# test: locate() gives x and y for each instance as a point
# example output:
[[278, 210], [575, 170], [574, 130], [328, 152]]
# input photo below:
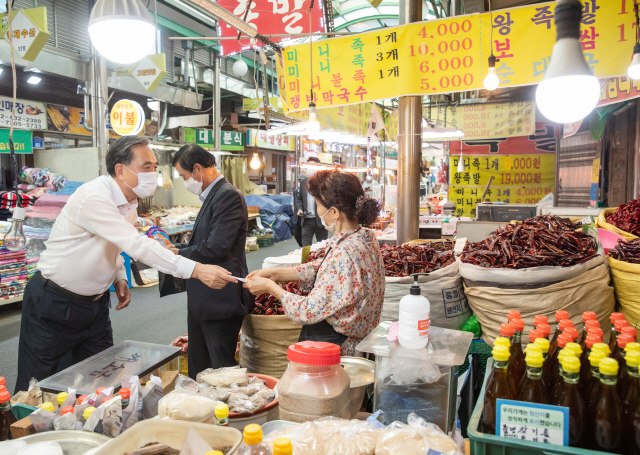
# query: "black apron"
[[323, 331]]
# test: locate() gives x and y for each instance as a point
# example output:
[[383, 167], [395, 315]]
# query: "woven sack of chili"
[[626, 283], [264, 342], [443, 288], [586, 291], [602, 222]]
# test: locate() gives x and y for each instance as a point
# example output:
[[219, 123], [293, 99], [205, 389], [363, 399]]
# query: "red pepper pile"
[[317, 254], [400, 261], [626, 217], [627, 251], [543, 240], [267, 304]]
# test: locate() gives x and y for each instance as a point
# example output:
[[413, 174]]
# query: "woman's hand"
[[266, 273], [258, 285]]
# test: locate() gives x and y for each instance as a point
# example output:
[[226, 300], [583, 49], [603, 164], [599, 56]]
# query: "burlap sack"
[[590, 291], [264, 343], [601, 222], [443, 288], [626, 282]]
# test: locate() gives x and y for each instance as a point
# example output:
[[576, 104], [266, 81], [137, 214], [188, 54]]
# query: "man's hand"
[[213, 276], [173, 249], [266, 273], [300, 213], [123, 293]]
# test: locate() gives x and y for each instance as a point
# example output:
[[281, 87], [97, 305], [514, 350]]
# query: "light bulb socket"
[[19, 213], [492, 61], [568, 14], [636, 49]]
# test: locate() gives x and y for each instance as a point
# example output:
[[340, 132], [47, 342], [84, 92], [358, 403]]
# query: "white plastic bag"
[[112, 417], [151, 395], [405, 371], [96, 400], [347, 437], [42, 420], [418, 437], [41, 448], [131, 414], [182, 404], [224, 377], [95, 421], [65, 422], [11, 447], [194, 444], [304, 438]]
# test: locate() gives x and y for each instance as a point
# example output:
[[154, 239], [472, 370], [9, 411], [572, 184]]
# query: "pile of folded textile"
[[42, 177]]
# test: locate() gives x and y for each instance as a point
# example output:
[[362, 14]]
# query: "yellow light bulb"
[[255, 162], [491, 82]]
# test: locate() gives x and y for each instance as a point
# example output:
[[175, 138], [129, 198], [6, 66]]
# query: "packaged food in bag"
[[42, 420], [112, 417], [151, 395]]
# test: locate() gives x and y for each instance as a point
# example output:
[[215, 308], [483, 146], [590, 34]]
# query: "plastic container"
[[252, 442], [414, 318], [171, 433], [314, 384], [488, 444]]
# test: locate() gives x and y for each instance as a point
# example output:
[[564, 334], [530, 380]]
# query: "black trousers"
[[212, 344], [311, 227], [54, 326]]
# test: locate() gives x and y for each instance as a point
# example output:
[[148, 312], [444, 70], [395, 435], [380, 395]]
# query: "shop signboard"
[[449, 55], [570, 129], [37, 143], [150, 71], [29, 115], [353, 119], [22, 141], [486, 121], [204, 137], [269, 17], [30, 31], [618, 89], [231, 140], [252, 104], [523, 169], [261, 139], [66, 119], [127, 118]]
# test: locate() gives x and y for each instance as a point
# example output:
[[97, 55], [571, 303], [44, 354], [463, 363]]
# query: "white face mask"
[[193, 186], [328, 228], [147, 183]]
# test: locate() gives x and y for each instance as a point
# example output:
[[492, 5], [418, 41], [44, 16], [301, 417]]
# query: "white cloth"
[[83, 250]]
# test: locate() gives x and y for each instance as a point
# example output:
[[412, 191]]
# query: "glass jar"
[[314, 384]]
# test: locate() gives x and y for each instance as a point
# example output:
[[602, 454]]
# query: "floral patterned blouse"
[[348, 290]]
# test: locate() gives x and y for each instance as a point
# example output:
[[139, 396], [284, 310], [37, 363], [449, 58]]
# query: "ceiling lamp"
[[122, 30], [313, 126], [255, 162], [491, 82], [433, 131], [634, 68], [240, 68], [568, 92]]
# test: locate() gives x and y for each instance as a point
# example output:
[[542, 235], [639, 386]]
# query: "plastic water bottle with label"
[[414, 321]]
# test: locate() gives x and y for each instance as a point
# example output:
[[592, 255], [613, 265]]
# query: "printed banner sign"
[[22, 141], [532, 422], [252, 104], [506, 170], [66, 119], [485, 121], [275, 141], [618, 89], [269, 17], [30, 115], [450, 55]]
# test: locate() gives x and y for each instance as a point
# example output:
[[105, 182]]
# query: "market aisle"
[[148, 318]]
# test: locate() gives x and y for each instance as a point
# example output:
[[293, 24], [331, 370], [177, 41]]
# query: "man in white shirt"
[[66, 304]]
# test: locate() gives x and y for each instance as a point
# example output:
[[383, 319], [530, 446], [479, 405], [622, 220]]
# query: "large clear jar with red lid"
[[314, 384]]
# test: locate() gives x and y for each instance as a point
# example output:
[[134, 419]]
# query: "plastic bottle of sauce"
[[540, 319], [593, 394], [609, 411], [87, 413], [547, 373], [125, 395], [282, 446], [81, 398], [414, 318], [66, 410], [630, 331], [60, 398], [558, 385], [504, 341], [222, 414], [573, 332], [630, 401], [571, 399], [535, 391], [524, 383], [560, 316], [546, 330], [513, 315], [562, 341], [252, 441], [498, 386], [587, 316], [585, 365], [619, 354], [612, 340], [6, 416], [615, 351], [517, 360], [47, 406], [589, 325]]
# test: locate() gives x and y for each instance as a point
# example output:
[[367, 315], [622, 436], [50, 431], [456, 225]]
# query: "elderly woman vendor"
[[347, 285]]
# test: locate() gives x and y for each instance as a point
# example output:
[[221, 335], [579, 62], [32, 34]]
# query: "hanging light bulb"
[[314, 125], [122, 30], [461, 166], [14, 240], [491, 82], [568, 92], [255, 162], [634, 68]]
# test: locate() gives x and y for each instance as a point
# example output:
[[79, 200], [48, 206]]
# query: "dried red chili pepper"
[[401, 261], [626, 217], [267, 304], [627, 251]]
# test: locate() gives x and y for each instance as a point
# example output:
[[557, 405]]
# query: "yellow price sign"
[[466, 198], [507, 170]]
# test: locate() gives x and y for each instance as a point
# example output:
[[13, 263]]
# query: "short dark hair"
[[120, 152], [313, 159], [344, 191], [191, 154]]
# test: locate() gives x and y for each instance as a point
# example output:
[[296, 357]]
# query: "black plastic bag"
[[168, 284], [470, 392]]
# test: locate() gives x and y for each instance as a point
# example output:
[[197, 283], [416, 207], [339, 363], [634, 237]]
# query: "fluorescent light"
[[34, 80], [433, 132]]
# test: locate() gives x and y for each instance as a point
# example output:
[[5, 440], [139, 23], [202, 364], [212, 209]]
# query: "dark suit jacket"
[[302, 201], [219, 237]]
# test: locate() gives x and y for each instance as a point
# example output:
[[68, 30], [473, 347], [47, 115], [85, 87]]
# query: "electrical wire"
[[491, 19], [635, 7], [15, 96]]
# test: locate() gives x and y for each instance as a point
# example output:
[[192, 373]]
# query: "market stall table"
[[107, 368]]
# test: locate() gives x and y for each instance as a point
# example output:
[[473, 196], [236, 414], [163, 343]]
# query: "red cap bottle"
[[561, 315], [623, 340], [590, 323], [534, 335], [593, 339], [620, 323], [518, 324], [597, 332], [563, 339], [66, 410], [573, 332], [513, 315], [540, 319], [630, 331], [565, 324], [546, 329], [507, 330], [615, 316], [589, 316], [4, 397]]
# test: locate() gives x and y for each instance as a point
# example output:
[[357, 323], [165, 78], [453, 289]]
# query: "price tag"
[[532, 422], [459, 246], [586, 220]]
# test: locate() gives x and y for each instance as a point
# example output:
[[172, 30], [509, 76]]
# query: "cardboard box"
[[168, 379], [22, 428]]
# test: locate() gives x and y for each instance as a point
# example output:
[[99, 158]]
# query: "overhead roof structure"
[[359, 16]]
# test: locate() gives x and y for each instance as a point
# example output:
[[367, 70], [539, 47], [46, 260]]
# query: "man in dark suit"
[[219, 237], [309, 219]]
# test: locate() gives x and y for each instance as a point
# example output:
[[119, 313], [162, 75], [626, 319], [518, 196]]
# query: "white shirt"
[[311, 206], [205, 193], [94, 227]]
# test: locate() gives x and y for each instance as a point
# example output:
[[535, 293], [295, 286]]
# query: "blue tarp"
[[267, 205], [272, 215], [286, 200]]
